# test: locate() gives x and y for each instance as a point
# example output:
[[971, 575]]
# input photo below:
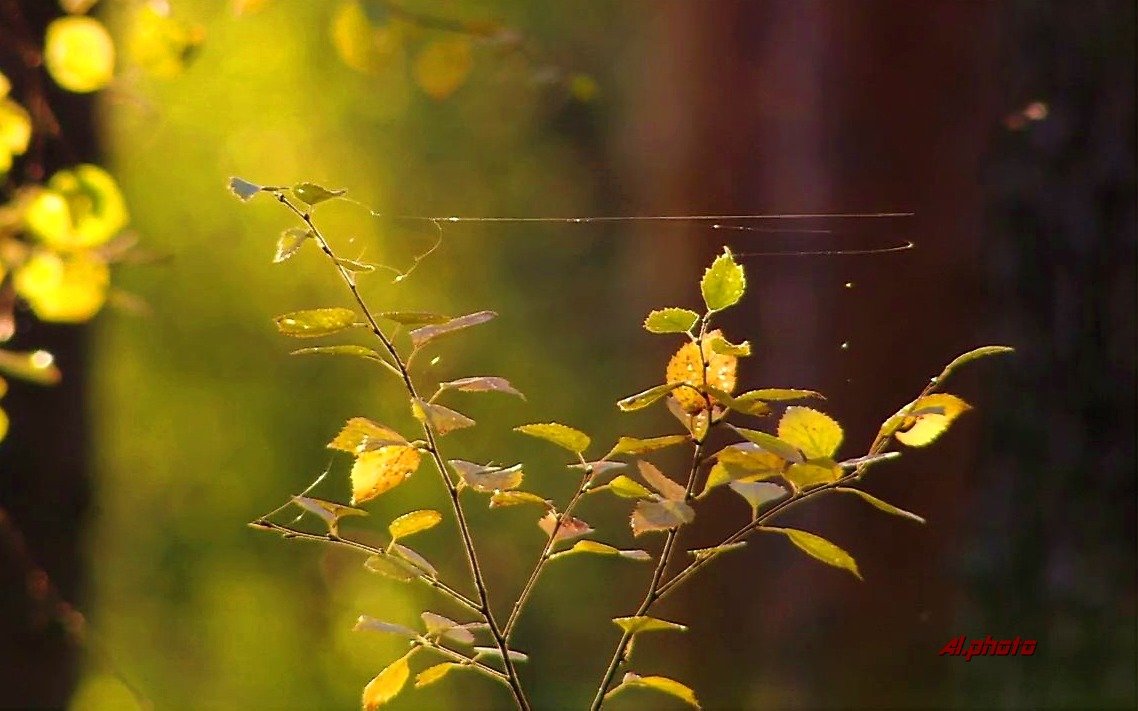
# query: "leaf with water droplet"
[[313, 323], [818, 548], [670, 320], [687, 366], [313, 194], [719, 344], [414, 522], [564, 436], [597, 548], [424, 335], [813, 472]]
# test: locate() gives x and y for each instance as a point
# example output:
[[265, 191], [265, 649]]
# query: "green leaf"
[[388, 683], [703, 553], [514, 498], [349, 350], [413, 522], [670, 320], [627, 488], [433, 673], [424, 335], [414, 318], [818, 547], [442, 420], [772, 444], [570, 527], [780, 394], [289, 243], [974, 354], [488, 479], [366, 623], [439, 626], [561, 435], [663, 515], [315, 322], [313, 194], [723, 282], [817, 435], [804, 475], [644, 623], [33, 366], [757, 493], [634, 445], [928, 418], [328, 511], [719, 344], [884, 506], [482, 384], [360, 434], [243, 189], [657, 683], [641, 400], [391, 567], [660, 482], [598, 548]]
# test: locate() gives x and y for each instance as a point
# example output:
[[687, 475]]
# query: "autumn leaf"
[[686, 366], [380, 470]]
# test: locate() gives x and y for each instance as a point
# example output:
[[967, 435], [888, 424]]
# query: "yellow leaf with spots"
[[687, 366], [381, 470]]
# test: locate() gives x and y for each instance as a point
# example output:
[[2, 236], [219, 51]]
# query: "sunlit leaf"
[[421, 336], [644, 623], [482, 384], [598, 548], [772, 444], [414, 559], [564, 436], [243, 189], [442, 419], [641, 400], [929, 418], [80, 208], [366, 623], [414, 522], [388, 683], [313, 323], [750, 462], [443, 65], [328, 511], [627, 488], [360, 434], [657, 683], [882, 505], [60, 289], [433, 673], [660, 516], [687, 366], [781, 394], [349, 350], [488, 479], [804, 475], [635, 446], [570, 527], [391, 567], [437, 626], [719, 344], [495, 653], [377, 471], [661, 483], [814, 433], [313, 194], [697, 424], [414, 318], [670, 321], [515, 498], [15, 131], [289, 243], [757, 493], [974, 354], [704, 553], [79, 53], [33, 366], [723, 282], [818, 547]]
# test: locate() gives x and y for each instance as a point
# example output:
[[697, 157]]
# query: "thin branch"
[[468, 661], [432, 448]]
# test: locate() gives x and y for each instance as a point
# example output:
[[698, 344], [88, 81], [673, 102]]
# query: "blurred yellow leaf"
[[360, 44], [159, 44], [248, 7], [63, 289], [80, 208], [443, 66], [15, 132], [79, 53], [33, 366], [686, 366], [388, 683], [381, 470]]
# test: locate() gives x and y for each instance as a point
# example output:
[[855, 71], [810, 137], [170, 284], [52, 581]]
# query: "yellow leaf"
[[161, 45], [928, 419], [660, 482], [644, 623], [662, 515], [360, 435], [570, 527], [812, 473], [433, 673], [816, 434], [360, 44], [80, 208], [561, 435], [686, 366], [659, 683], [3, 424], [414, 522], [443, 65], [15, 131], [387, 684], [61, 289], [515, 498], [627, 488], [314, 323], [380, 470], [634, 445], [79, 53], [817, 547]]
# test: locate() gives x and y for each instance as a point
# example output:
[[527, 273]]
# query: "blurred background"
[[1006, 127]]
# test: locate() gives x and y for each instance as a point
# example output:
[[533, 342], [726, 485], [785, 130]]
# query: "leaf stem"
[[432, 447]]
